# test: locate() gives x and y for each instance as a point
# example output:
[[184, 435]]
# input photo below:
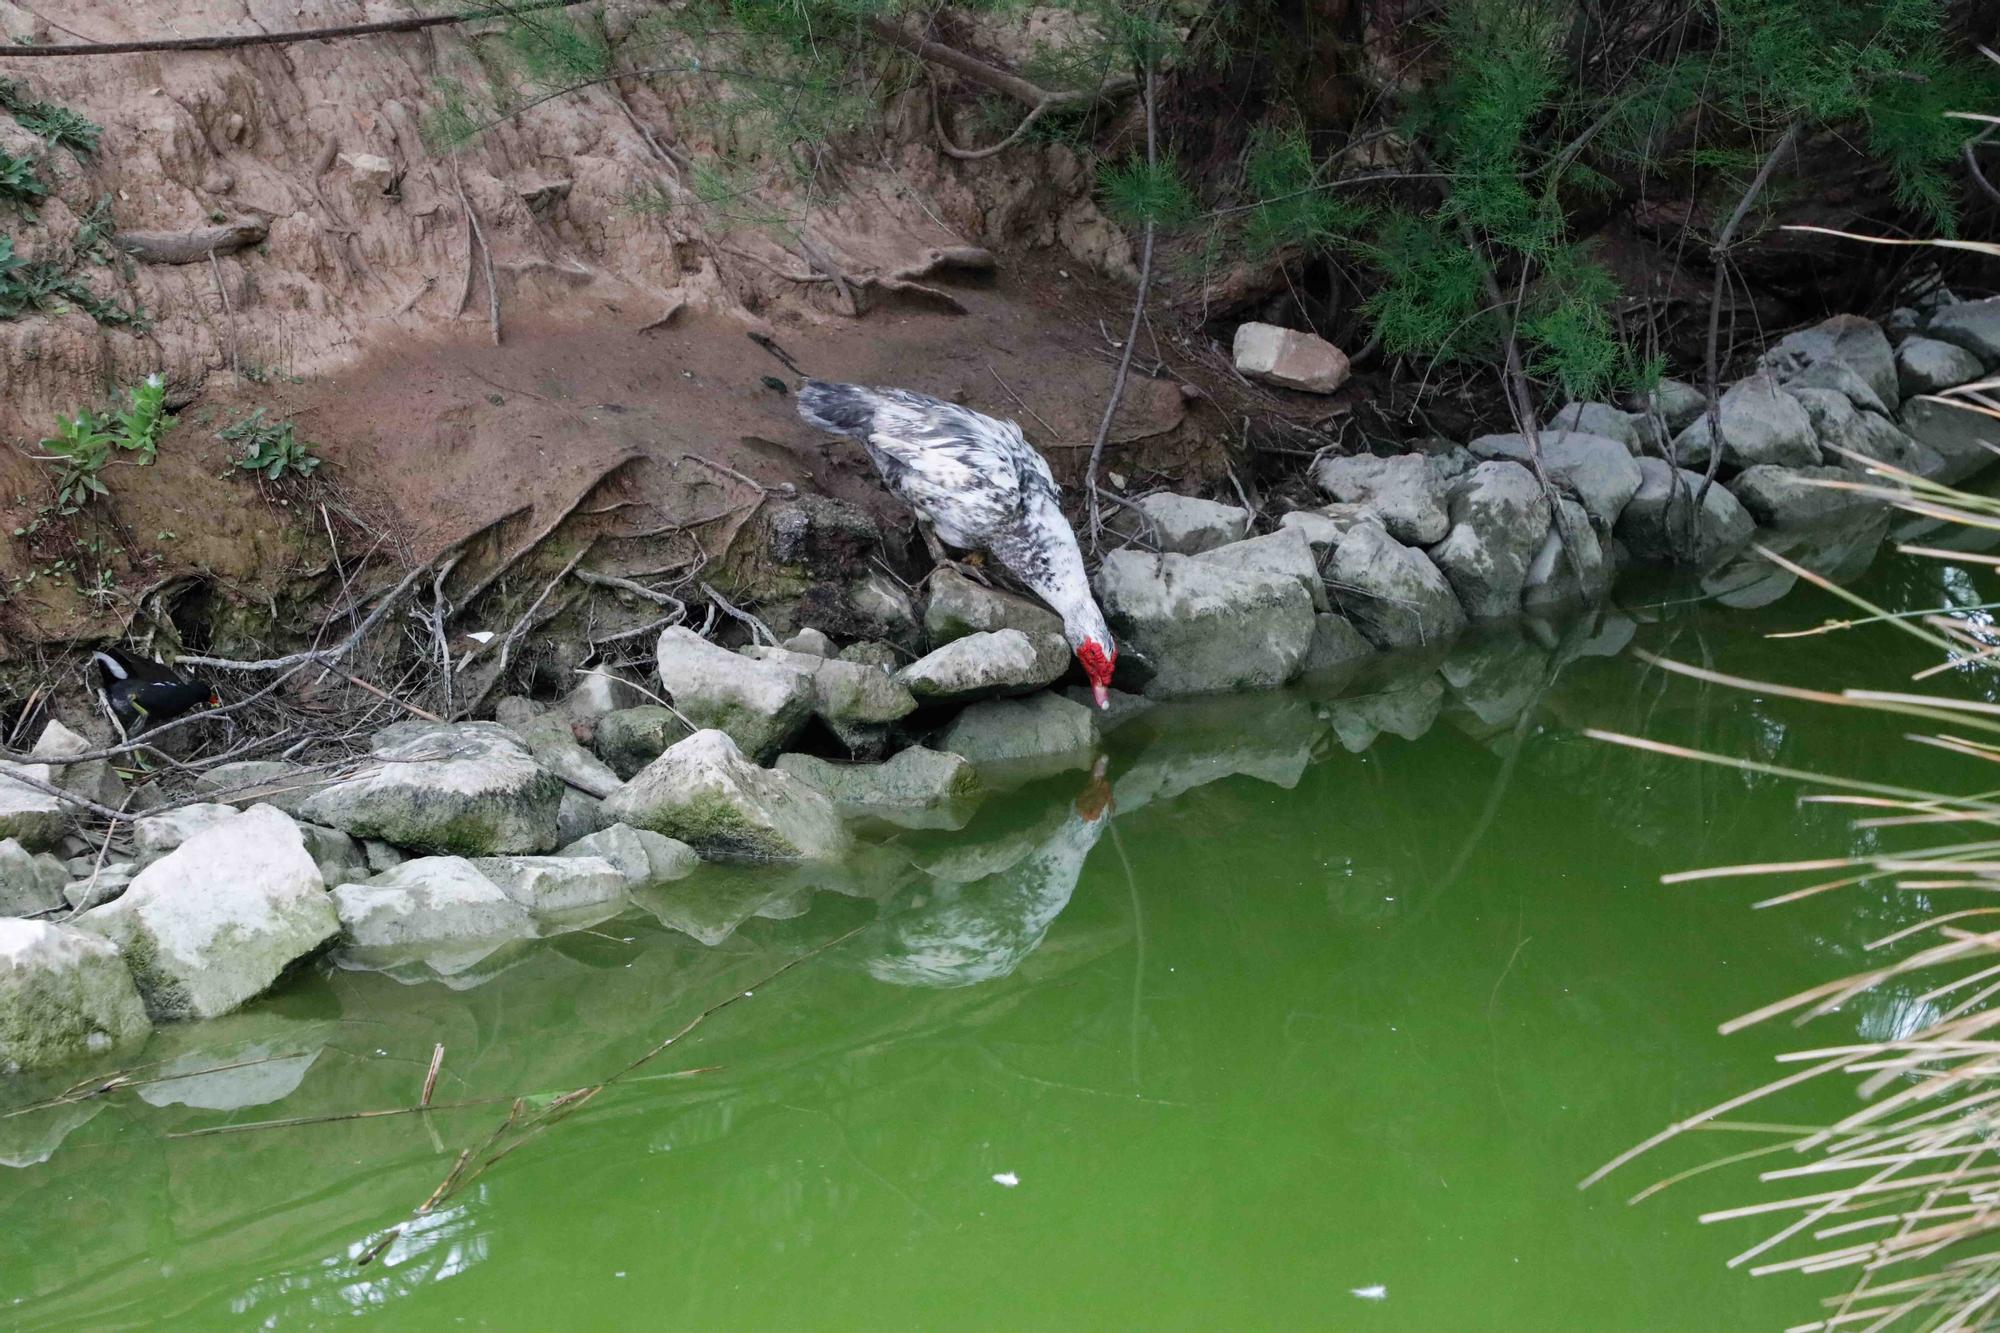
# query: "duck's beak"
[[1101, 694]]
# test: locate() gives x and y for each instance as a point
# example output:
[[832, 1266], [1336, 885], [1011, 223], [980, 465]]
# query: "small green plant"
[[29, 285], [85, 444], [270, 449], [49, 121], [20, 182], [144, 418], [1137, 192]]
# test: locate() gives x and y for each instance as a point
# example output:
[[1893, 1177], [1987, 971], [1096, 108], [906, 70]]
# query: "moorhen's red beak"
[[1101, 694]]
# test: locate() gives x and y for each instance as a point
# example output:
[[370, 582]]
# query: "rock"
[[880, 603], [1286, 552], [599, 692], [430, 900], [1499, 519], [1964, 440], [511, 710], [381, 855], [1497, 677], [1208, 629], [153, 836], [812, 643], [30, 882], [1040, 728], [1779, 497], [705, 793], [958, 607], [250, 1059], [554, 745], [1185, 524], [371, 171], [1120, 707], [579, 816], [214, 923], [1678, 404], [1336, 645], [1393, 593], [631, 738], [982, 665], [828, 537], [1407, 709], [550, 884], [1597, 469], [1325, 526], [31, 817], [874, 653], [1973, 325], [96, 888], [1902, 322], [340, 858], [1761, 423], [93, 779], [1288, 358], [1850, 438], [1926, 365], [1647, 532], [643, 858], [1576, 575], [64, 995], [249, 782], [842, 691], [759, 704], [710, 906], [1633, 430], [1407, 491], [466, 789], [919, 788], [1844, 380], [1850, 340]]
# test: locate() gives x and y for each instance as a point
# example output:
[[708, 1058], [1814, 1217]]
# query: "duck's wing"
[[958, 468]]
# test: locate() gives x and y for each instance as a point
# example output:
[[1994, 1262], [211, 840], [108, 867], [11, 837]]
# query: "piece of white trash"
[[1378, 1292], [480, 635], [1007, 1178]]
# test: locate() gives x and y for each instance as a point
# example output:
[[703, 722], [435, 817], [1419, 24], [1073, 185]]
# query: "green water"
[[1322, 1007]]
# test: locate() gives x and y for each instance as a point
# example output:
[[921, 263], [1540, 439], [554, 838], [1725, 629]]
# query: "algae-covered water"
[[1319, 1028]]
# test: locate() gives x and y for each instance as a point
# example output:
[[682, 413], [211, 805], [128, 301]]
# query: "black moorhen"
[[144, 693]]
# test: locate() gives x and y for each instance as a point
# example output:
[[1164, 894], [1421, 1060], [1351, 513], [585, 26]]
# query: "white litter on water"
[[1007, 1178], [1378, 1292]]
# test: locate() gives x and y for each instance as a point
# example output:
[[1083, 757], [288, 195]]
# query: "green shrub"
[[271, 450]]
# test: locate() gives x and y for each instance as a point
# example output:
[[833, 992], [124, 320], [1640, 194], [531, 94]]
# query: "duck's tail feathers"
[[113, 668], [839, 409], [784, 358]]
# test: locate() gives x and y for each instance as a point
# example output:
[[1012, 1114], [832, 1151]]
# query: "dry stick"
[[478, 233], [493, 576], [999, 80], [1718, 254], [431, 1078], [1132, 330], [737, 613], [637, 589], [233, 40], [520, 626], [322, 656], [384, 695]]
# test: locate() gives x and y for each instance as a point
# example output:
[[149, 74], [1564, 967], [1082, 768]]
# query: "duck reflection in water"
[[960, 934]]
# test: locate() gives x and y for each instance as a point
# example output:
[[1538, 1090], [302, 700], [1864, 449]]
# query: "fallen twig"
[[230, 41]]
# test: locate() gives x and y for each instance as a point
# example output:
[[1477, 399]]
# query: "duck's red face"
[[1098, 659]]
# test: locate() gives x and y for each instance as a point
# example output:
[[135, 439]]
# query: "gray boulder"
[[551, 740], [705, 793], [1761, 423], [1207, 629], [1336, 645], [464, 789], [428, 901], [982, 665], [1186, 524], [884, 607], [216, 922], [93, 779], [759, 704], [1288, 358], [1964, 440], [153, 836], [30, 882], [874, 653], [1393, 593], [1780, 497], [552, 884], [919, 788], [599, 692], [958, 607], [1849, 340], [28, 815], [1634, 430], [578, 816], [1973, 325], [1325, 526], [99, 885], [1499, 519], [1597, 469], [628, 739], [1926, 365], [1041, 729], [1407, 491], [64, 995], [811, 642], [1844, 380], [842, 691], [1574, 566], [1659, 524], [1678, 404], [1851, 438], [339, 856], [249, 782], [1286, 552], [642, 858]]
